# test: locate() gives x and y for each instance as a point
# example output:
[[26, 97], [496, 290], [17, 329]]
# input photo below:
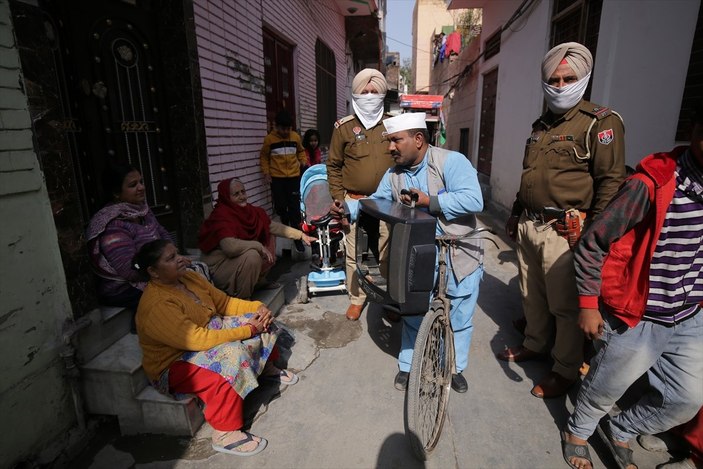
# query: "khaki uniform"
[[576, 161], [358, 158]]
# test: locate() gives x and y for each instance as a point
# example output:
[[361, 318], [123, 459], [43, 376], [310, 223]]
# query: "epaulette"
[[599, 112], [343, 120]]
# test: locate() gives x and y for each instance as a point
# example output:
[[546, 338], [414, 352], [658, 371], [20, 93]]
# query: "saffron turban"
[[366, 76], [576, 55]]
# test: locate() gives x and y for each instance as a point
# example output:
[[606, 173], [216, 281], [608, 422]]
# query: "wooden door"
[[487, 126], [278, 77]]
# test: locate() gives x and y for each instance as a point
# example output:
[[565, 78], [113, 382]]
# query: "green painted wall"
[[35, 400]]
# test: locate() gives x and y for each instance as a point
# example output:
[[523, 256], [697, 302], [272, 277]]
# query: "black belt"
[[545, 215]]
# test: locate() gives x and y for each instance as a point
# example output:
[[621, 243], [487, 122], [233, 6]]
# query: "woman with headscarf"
[[358, 158], [238, 241], [117, 231]]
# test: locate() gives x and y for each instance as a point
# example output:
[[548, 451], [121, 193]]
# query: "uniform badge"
[[605, 137], [358, 134]]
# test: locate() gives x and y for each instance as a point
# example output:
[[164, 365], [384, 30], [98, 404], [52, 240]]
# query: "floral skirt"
[[239, 362]]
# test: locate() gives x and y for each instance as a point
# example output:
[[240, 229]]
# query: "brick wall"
[[230, 48]]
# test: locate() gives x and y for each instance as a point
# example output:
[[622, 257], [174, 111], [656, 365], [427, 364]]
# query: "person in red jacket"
[[639, 274]]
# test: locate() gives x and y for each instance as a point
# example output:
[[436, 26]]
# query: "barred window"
[[578, 21]]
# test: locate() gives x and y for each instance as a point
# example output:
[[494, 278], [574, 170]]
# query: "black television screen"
[[411, 256]]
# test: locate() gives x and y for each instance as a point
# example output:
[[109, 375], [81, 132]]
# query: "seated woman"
[[197, 340], [237, 241], [115, 234]]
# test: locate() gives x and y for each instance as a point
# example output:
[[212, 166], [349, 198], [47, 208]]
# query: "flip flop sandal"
[[285, 377], [232, 447], [622, 456], [572, 450]]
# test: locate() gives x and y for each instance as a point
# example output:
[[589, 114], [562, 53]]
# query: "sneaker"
[[401, 381], [299, 245], [459, 383]]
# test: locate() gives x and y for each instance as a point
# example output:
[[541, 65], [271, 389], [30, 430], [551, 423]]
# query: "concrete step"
[[162, 414], [274, 299], [112, 379], [108, 325], [114, 382]]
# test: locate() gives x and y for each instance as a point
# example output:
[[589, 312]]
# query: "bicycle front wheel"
[[429, 382]]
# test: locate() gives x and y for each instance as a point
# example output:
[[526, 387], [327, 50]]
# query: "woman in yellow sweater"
[[197, 340]]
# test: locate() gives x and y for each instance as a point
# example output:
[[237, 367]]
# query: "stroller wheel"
[[302, 284]]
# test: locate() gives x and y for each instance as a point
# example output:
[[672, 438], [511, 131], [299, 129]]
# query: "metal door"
[[114, 84]]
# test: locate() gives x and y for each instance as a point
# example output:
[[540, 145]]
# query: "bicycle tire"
[[429, 382]]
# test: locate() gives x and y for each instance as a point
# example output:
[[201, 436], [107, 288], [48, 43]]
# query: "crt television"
[[411, 256]]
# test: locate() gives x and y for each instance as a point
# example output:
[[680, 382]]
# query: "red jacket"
[[625, 273]]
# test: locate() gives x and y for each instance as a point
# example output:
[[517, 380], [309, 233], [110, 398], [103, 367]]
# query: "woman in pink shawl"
[[115, 234], [238, 244]]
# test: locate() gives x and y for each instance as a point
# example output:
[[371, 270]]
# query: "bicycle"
[[433, 363], [407, 290]]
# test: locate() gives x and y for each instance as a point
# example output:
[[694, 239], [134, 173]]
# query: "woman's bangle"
[[253, 329]]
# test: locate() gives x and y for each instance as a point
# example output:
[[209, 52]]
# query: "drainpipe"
[[68, 354]]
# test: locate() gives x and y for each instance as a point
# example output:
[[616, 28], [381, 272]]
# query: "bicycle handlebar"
[[414, 196], [470, 234]]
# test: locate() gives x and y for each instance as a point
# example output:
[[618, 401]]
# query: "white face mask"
[[560, 100], [368, 108]]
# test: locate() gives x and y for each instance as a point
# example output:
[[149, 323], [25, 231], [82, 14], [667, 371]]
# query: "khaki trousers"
[[549, 296], [356, 294]]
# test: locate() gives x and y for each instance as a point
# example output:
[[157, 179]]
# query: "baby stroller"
[[327, 264]]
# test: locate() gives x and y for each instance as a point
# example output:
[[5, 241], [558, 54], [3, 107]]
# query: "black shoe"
[[401, 381], [459, 383], [299, 246]]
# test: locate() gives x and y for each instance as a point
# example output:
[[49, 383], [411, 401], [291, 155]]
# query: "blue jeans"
[[672, 357], [462, 314]]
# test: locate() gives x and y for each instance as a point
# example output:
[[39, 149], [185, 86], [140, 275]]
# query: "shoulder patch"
[[599, 112], [343, 120]]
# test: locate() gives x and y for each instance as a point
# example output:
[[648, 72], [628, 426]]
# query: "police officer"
[[358, 158], [574, 162]]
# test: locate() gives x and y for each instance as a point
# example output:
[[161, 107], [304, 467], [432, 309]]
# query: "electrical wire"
[[521, 10]]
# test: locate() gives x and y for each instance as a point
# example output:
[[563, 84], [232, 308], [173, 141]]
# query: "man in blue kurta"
[[447, 187]]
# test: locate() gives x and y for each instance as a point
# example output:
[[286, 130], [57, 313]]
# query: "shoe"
[[299, 245], [459, 383], [662, 442], [401, 381], [284, 377], [354, 311], [583, 371], [518, 354], [687, 463], [267, 285], [572, 450], [232, 448], [552, 385], [621, 454]]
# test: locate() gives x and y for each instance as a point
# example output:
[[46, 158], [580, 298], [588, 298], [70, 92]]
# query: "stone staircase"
[[114, 383]]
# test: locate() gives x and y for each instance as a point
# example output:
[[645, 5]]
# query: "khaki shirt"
[[358, 158], [565, 168]]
